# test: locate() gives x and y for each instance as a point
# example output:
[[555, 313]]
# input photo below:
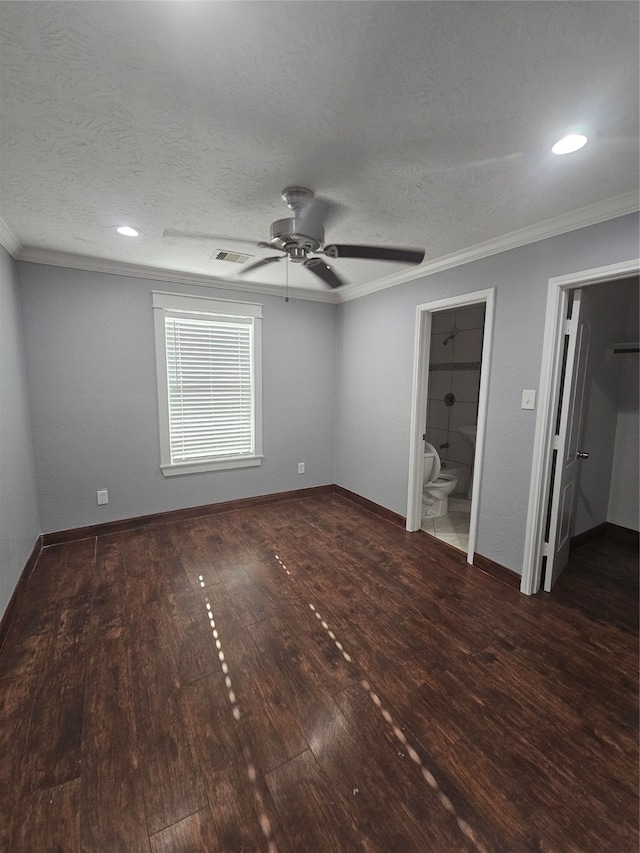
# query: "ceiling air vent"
[[233, 257]]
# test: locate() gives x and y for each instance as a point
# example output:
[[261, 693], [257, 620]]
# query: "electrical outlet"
[[528, 399], [102, 496], [300, 467]]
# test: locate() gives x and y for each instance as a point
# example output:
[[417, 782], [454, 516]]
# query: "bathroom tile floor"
[[452, 528]]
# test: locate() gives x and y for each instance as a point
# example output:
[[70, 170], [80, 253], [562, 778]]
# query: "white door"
[[569, 452]]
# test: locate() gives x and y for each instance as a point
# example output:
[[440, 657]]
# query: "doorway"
[[455, 357], [439, 410], [552, 501]]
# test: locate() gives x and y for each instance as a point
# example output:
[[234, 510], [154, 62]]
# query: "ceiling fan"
[[300, 238]]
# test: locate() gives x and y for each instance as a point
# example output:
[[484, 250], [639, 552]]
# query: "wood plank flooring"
[[304, 677]]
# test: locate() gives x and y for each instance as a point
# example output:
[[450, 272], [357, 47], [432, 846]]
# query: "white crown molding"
[[84, 262], [601, 211], [9, 240]]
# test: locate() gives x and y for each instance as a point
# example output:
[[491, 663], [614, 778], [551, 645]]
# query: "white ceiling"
[[429, 122]]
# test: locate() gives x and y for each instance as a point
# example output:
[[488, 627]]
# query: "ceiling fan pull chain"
[[286, 292]]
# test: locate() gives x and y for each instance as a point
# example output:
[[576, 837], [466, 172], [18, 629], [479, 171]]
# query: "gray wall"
[[607, 308], [92, 384], [91, 380], [375, 357], [19, 522]]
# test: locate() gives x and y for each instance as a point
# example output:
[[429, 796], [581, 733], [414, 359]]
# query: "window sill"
[[178, 469]]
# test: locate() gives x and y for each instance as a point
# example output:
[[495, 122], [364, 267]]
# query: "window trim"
[[179, 302]]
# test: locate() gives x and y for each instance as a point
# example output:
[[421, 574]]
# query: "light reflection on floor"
[[263, 819], [398, 731]]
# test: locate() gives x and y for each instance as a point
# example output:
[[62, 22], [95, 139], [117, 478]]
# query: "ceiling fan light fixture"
[[127, 231], [569, 144]]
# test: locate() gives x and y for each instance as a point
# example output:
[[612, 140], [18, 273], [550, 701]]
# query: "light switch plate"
[[528, 399]]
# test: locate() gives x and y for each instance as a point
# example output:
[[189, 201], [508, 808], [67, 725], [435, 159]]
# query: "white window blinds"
[[210, 378], [210, 384]]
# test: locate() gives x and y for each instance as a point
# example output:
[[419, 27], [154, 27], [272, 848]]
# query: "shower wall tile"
[[466, 385], [440, 383], [460, 449], [471, 317], [438, 437], [439, 353], [439, 414], [463, 351], [467, 346], [442, 322], [463, 414]]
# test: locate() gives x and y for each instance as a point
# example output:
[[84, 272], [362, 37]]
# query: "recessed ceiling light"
[[570, 143], [127, 231]]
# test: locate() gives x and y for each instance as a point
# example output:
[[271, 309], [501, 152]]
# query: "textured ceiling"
[[429, 122]]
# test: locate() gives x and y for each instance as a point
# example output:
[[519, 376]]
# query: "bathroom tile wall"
[[454, 369]]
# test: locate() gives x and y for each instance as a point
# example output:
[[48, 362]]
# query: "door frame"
[[548, 400], [420, 394]]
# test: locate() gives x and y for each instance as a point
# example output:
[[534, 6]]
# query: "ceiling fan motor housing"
[[286, 238]]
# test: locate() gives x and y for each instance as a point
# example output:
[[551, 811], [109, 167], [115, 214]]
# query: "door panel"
[[565, 514], [568, 438]]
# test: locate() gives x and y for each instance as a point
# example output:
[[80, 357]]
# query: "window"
[[208, 354]]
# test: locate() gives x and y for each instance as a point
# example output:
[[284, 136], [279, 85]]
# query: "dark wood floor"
[[306, 677]]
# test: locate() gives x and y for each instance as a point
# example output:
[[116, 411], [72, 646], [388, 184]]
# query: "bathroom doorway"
[[453, 390], [450, 390]]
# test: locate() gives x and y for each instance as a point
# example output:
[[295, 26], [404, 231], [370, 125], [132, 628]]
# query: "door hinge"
[[556, 442], [570, 326], [545, 549]]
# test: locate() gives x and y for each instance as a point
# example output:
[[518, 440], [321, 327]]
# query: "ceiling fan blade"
[[175, 234], [257, 264], [318, 267], [375, 253]]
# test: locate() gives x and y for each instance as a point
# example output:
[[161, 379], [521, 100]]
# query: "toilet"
[[437, 484]]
